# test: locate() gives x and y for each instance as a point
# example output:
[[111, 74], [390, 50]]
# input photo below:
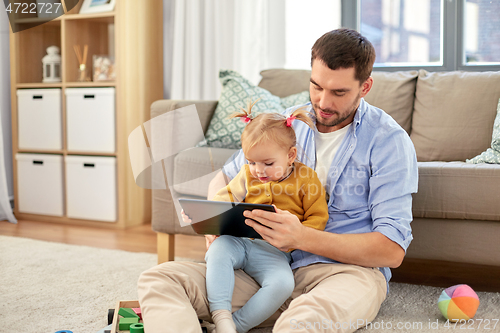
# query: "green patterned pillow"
[[236, 92], [295, 99], [491, 155]]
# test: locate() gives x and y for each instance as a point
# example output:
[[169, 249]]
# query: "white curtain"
[[208, 35], [5, 133]]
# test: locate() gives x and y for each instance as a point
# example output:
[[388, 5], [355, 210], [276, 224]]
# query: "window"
[[429, 34], [403, 32], [482, 32]]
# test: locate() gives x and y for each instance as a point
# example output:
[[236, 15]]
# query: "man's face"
[[335, 95]]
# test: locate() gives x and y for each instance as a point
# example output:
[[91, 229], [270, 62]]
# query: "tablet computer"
[[221, 217]]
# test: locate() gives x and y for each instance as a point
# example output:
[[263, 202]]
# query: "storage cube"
[[40, 184], [90, 115], [39, 119], [91, 188]]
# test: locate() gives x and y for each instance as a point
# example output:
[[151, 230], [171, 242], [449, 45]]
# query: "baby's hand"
[[209, 239], [185, 218]]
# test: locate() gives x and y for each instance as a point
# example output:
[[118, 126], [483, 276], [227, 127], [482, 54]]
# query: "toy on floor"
[[458, 302], [137, 328], [126, 322], [137, 312], [111, 314], [127, 313]]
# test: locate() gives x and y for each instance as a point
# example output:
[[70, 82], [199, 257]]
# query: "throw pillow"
[[295, 99], [224, 132], [491, 155]]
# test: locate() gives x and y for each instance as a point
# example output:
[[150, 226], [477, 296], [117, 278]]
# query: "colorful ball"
[[459, 302]]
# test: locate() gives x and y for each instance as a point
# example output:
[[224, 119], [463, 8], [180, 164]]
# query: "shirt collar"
[[360, 112]]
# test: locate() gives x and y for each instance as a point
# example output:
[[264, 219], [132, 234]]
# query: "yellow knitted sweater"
[[301, 194]]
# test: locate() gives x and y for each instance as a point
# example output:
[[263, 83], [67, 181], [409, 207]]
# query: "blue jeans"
[[266, 264]]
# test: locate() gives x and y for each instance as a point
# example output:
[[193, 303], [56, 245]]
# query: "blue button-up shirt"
[[370, 180]]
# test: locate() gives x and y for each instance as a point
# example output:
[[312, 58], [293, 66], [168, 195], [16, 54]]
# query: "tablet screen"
[[221, 217]]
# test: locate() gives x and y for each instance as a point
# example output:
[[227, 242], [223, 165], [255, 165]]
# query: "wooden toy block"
[[126, 322], [138, 312], [116, 317], [127, 313]]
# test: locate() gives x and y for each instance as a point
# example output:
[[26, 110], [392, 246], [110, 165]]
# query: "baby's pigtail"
[[245, 115], [303, 115]]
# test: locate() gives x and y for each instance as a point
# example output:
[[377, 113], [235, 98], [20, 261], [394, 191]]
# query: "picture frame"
[[97, 6], [103, 68]]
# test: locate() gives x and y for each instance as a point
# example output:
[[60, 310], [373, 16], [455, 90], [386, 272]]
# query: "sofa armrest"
[[164, 218], [205, 109]]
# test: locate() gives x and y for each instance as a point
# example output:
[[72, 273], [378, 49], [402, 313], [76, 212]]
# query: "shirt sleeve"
[[314, 203], [234, 164], [393, 180]]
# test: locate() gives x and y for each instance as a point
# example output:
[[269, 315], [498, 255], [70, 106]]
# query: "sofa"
[[449, 117]]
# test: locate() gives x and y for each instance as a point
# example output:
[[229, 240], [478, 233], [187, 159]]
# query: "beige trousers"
[[326, 298]]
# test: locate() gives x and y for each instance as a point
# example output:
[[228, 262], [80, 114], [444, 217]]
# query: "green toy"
[[125, 323], [137, 328], [127, 313]]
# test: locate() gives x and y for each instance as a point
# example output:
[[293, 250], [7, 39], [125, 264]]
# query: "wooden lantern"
[[52, 65]]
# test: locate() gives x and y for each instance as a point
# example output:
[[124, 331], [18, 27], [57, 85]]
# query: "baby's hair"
[[270, 126]]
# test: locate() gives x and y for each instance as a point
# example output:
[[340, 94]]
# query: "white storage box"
[[39, 119], [90, 119], [40, 184], [91, 188]]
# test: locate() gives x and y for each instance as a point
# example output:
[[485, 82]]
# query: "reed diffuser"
[[82, 60]]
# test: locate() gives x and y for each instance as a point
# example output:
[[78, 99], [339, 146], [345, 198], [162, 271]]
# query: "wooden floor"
[[135, 239], [143, 239]]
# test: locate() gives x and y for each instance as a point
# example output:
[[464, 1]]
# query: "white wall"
[[5, 111]]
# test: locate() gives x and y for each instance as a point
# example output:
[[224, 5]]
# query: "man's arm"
[[218, 182], [389, 201], [370, 249]]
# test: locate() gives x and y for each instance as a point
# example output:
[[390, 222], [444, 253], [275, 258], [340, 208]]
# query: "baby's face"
[[269, 162]]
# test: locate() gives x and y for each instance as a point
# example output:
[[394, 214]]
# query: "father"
[[368, 166]]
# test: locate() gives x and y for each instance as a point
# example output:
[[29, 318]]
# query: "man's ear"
[[292, 154], [366, 86]]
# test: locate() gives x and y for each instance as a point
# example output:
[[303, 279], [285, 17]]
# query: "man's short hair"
[[345, 48]]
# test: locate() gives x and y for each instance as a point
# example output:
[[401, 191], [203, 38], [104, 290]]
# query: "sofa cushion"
[[454, 114], [466, 241], [194, 169], [394, 92], [285, 82], [491, 155], [457, 190]]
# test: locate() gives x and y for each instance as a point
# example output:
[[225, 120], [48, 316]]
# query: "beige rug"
[[46, 287]]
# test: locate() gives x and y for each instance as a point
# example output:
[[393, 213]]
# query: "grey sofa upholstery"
[[449, 117]]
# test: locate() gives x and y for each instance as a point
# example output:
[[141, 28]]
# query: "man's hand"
[[283, 228], [370, 249]]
